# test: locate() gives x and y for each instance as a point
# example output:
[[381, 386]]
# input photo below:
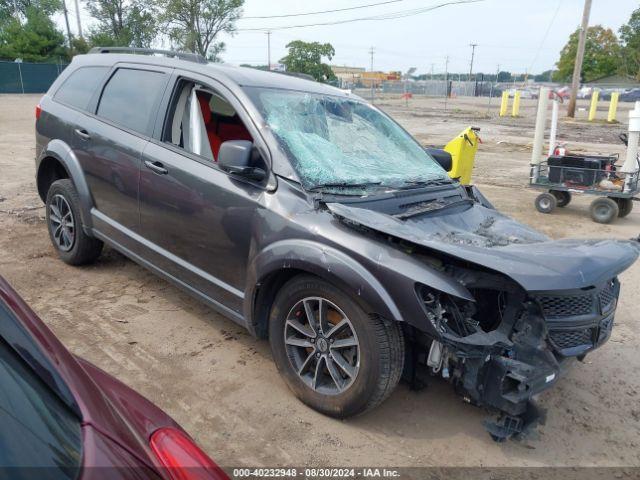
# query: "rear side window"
[[131, 97], [37, 430], [78, 89]]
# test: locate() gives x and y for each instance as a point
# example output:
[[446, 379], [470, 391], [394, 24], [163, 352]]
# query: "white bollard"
[[538, 137], [554, 126], [631, 164]]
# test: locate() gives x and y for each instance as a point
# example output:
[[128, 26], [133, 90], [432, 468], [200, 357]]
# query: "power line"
[[324, 11], [546, 34], [387, 16]]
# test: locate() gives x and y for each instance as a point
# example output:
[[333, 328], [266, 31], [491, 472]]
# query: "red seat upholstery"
[[209, 122], [232, 129], [220, 128]]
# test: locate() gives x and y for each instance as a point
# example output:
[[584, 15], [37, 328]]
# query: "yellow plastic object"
[[463, 150], [594, 105], [504, 104], [613, 107], [515, 111]]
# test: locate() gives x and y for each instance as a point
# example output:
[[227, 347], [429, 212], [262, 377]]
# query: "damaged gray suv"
[[314, 220]]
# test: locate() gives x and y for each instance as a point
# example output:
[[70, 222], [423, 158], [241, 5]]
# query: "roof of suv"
[[242, 76]]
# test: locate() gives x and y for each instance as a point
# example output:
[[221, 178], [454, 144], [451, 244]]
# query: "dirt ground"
[[221, 384]]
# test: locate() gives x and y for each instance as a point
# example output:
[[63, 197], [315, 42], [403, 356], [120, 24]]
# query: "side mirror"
[[442, 157], [235, 157]]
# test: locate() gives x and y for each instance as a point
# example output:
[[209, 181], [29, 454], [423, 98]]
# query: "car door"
[[198, 220], [110, 138]]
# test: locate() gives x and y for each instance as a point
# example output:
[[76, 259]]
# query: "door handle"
[[82, 133], [156, 167]]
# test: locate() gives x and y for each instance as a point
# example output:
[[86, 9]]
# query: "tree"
[[123, 23], [306, 57], [8, 8], [504, 76], [194, 25], [601, 55], [545, 76], [36, 40], [630, 39]]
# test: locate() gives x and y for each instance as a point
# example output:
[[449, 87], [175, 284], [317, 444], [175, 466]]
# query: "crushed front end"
[[500, 308], [509, 345]]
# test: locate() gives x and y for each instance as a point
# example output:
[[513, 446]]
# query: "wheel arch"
[[280, 262], [58, 161]]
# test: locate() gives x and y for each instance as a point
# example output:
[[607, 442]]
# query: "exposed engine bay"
[[502, 350], [530, 304]]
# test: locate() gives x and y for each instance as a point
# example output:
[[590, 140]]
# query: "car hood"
[[486, 237]]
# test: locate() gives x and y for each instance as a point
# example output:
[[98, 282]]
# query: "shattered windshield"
[[337, 143]]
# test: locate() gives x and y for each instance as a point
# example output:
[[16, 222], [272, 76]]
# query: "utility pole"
[[473, 51], [577, 68], [446, 81], [66, 21], [432, 71], [78, 19], [372, 50], [268, 49]]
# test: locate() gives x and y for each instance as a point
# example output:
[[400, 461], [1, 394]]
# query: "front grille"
[[566, 306], [575, 321], [607, 298], [571, 338], [605, 328]]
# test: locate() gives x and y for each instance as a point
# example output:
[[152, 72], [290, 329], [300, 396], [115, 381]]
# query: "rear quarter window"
[[78, 89], [130, 98]]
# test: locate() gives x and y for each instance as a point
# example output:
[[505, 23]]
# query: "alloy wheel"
[[322, 345], [62, 223]]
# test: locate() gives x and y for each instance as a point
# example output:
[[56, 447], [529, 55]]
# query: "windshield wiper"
[[425, 183], [322, 186], [433, 206]]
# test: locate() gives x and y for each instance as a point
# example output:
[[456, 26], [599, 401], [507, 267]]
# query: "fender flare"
[[325, 262], [63, 153]]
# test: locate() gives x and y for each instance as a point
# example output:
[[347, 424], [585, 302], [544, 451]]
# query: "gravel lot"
[[221, 384]]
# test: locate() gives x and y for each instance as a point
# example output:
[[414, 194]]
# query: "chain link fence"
[[439, 88], [24, 77]]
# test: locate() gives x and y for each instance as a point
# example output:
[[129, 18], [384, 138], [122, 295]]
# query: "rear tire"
[[64, 223], [310, 360], [546, 203], [603, 210], [625, 205], [563, 198]]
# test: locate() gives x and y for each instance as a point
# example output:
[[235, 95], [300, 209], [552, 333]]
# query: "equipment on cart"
[[564, 175]]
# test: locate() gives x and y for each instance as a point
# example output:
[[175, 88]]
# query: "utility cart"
[[564, 175]]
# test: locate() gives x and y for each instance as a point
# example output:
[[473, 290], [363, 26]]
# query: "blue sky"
[[518, 35]]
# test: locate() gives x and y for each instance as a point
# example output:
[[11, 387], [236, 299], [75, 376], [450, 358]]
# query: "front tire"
[[603, 210], [546, 203], [65, 226], [335, 357]]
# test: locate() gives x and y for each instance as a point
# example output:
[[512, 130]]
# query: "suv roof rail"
[[189, 57]]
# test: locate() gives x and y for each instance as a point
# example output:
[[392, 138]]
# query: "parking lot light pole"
[[631, 164], [554, 125], [538, 138]]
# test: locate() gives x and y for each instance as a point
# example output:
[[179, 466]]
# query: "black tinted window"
[[130, 97], [37, 430], [78, 89]]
